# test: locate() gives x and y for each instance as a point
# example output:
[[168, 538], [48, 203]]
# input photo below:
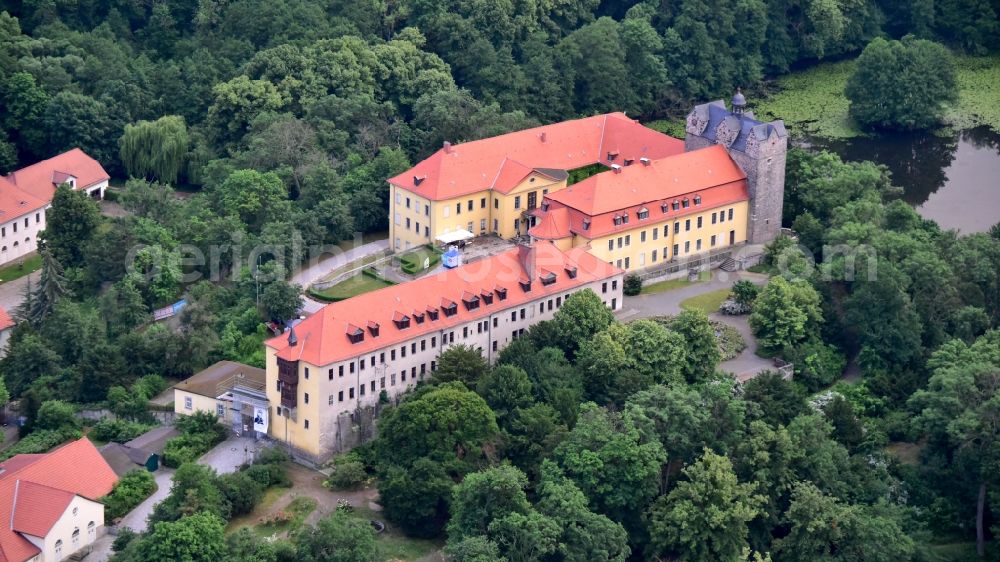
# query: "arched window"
[[91, 529], [15, 244], [4, 249], [27, 241], [59, 550], [76, 536]]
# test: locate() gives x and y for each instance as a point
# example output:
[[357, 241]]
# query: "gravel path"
[[135, 519]]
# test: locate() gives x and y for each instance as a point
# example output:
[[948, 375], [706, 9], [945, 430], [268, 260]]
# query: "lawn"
[[813, 101], [671, 284], [271, 495], [707, 302], [359, 284], [284, 521], [20, 268], [393, 544], [413, 261]]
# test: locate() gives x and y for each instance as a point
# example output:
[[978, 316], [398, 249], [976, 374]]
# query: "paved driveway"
[[232, 453], [135, 519], [313, 271], [668, 303]]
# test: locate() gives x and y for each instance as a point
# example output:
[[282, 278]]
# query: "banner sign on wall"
[[260, 420]]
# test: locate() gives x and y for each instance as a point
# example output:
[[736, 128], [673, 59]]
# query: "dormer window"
[[571, 271], [449, 307], [470, 301], [547, 278], [643, 213], [545, 205], [628, 161], [676, 205], [502, 293], [487, 296], [355, 334], [419, 317], [618, 220], [525, 285], [687, 203], [586, 224], [612, 154], [697, 199], [432, 313], [373, 328], [402, 321], [664, 207], [625, 218], [417, 180]]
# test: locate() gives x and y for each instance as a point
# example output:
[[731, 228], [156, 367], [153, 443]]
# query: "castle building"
[[349, 353], [647, 200], [491, 185]]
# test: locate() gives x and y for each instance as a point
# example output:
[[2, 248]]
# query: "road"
[[315, 270], [12, 292], [668, 303], [135, 519]]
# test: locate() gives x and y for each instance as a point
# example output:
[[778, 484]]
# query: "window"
[[713, 218], [434, 341], [397, 218], [611, 245], [402, 351], [59, 544], [677, 227], [697, 199], [392, 379], [699, 222], [352, 367], [76, 535], [532, 200], [306, 424], [496, 203], [626, 263], [458, 208], [522, 313], [482, 224], [187, 403], [697, 244], [643, 213], [470, 204], [656, 232], [340, 396], [730, 214], [628, 239], [38, 218], [220, 410], [625, 218], [427, 210], [496, 225], [330, 374], [15, 227], [341, 369], [604, 287], [687, 247], [676, 247], [620, 241], [712, 241], [350, 393], [686, 203], [361, 390], [618, 220], [307, 373], [329, 400], [614, 284], [687, 225], [675, 205], [586, 224], [482, 203], [91, 530], [399, 197], [517, 201], [407, 202], [642, 236], [305, 397], [653, 257]]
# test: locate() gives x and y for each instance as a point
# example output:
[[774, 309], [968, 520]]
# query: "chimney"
[[447, 147], [292, 339], [645, 161], [542, 136], [616, 168]]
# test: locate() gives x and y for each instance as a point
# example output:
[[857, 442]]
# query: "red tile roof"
[[75, 468], [40, 179], [16, 202], [5, 320], [709, 173], [552, 225], [37, 507], [501, 162], [322, 338]]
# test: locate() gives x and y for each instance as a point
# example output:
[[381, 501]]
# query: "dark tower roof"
[[739, 102], [293, 340]]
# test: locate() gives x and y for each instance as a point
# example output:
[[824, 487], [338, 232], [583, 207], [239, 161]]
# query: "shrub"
[[348, 472], [816, 364], [632, 285], [55, 415], [185, 448], [733, 307], [201, 423], [125, 536], [241, 491], [268, 475], [272, 455], [118, 430], [128, 492], [40, 441], [744, 292]]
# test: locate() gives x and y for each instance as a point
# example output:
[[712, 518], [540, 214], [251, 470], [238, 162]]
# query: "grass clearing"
[[706, 302], [271, 495], [813, 102], [393, 544], [351, 287], [668, 285], [21, 267], [413, 261], [287, 520]]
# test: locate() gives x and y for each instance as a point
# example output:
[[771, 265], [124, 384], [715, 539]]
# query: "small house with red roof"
[[26, 193], [49, 503]]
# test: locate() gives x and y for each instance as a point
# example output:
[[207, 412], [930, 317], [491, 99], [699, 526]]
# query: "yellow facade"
[[294, 430], [415, 221], [650, 244], [188, 403]]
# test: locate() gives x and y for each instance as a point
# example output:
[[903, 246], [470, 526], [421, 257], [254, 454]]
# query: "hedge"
[[129, 491], [40, 441], [413, 261]]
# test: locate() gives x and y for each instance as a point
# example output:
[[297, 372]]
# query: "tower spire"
[[739, 103]]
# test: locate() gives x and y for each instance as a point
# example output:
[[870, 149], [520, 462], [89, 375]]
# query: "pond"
[[954, 180]]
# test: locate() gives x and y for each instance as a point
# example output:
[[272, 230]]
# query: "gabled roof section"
[[16, 202], [37, 507], [640, 184], [501, 162], [74, 469], [40, 179], [327, 343], [552, 225]]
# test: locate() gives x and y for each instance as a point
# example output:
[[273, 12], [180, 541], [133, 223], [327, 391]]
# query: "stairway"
[[728, 265]]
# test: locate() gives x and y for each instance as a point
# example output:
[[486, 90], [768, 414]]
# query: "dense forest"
[[279, 121]]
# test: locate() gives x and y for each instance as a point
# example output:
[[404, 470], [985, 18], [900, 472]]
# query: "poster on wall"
[[260, 420]]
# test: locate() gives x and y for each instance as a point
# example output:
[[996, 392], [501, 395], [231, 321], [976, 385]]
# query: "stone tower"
[[760, 150]]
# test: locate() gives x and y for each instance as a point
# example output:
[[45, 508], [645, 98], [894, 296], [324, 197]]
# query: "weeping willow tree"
[[155, 150]]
